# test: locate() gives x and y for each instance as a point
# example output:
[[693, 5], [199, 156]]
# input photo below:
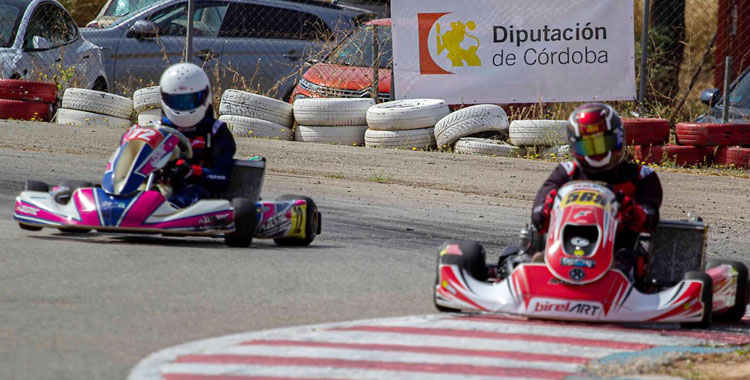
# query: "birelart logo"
[[440, 49]]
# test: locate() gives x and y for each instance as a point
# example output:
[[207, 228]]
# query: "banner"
[[513, 51]]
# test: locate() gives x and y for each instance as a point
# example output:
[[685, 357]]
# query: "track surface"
[[91, 306]]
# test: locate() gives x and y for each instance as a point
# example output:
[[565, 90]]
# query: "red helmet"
[[596, 137]]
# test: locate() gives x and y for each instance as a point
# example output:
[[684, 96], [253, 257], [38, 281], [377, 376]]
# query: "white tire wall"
[[147, 98], [149, 116], [99, 102], [406, 114], [332, 111], [487, 147], [471, 120], [76, 117], [538, 132], [340, 135], [242, 126], [240, 103], [402, 139]]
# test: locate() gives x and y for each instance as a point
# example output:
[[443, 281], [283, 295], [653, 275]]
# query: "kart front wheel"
[[312, 223], [28, 227], [736, 312], [36, 186], [245, 222], [707, 296]]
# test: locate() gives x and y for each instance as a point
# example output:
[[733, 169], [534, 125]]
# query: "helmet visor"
[[593, 145], [185, 102]]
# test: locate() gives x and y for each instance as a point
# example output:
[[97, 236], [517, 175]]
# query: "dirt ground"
[[721, 200]]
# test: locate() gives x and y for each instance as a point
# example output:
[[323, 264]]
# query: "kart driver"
[[597, 144], [186, 106]]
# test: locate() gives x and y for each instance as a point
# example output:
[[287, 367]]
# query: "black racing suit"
[[638, 182], [213, 151]]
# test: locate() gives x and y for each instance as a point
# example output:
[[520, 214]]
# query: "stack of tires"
[[729, 140], [404, 124], [479, 129], [341, 121], [256, 116], [88, 107], [25, 100], [147, 104], [650, 139], [548, 137]]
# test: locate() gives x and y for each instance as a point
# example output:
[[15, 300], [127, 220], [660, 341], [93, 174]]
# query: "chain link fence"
[[296, 48]]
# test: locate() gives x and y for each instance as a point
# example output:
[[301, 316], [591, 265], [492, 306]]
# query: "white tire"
[[149, 116], [332, 111], [538, 132], [487, 147], [406, 114], [407, 139], [471, 120], [555, 152], [76, 117], [346, 135], [240, 103], [99, 102], [147, 98], [242, 126]]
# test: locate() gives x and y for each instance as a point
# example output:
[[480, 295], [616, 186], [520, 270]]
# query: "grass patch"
[[379, 177]]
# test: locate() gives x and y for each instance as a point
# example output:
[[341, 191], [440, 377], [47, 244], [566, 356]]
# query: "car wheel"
[[646, 131], [681, 155], [76, 117], [147, 98], [706, 299], [332, 111], [245, 222], [736, 312], [23, 110], [406, 114], [28, 91], [400, 139], [537, 132], [469, 121], [242, 126], [102, 103], [312, 223], [241, 103], [345, 135], [487, 147]]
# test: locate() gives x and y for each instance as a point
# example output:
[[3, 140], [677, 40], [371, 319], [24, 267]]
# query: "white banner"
[[513, 51]]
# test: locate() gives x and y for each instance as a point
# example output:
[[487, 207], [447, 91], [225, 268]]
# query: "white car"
[[39, 41]]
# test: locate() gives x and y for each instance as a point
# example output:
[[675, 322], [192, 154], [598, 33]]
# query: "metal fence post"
[[375, 65], [189, 34], [727, 81], [644, 56]]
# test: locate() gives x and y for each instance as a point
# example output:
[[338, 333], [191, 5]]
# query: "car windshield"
[[10, 17], [120, 8], [740, 95], [356, 49]]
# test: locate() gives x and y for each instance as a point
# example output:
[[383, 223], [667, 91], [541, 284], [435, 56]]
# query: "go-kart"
[[133, 198], [577, 279]]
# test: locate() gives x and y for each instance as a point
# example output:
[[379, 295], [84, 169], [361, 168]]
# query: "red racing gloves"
[[185, 170], [632, 215], [540, 217]]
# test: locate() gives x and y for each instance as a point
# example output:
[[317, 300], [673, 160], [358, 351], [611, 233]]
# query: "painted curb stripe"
[[427, 350], [365, 364], [501, 336], [187, 376]]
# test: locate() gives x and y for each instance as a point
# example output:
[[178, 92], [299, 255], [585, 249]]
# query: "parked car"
[[40, 41], [739, 102], [258, 44], [347, 72]]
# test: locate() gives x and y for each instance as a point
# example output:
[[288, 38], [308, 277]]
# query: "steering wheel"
[[186, 148]]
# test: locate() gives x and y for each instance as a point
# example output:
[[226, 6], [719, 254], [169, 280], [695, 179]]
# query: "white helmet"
[[185, 95]]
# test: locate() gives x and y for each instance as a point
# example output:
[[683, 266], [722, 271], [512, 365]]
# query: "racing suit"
[[639, 183], [207, 172]]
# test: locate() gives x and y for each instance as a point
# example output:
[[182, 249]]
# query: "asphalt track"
[[91, 306]]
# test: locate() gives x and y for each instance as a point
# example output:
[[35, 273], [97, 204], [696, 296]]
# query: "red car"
[[347, 71]]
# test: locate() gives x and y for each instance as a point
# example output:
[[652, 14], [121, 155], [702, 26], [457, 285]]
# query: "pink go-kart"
[[133, 199], [578, 280]]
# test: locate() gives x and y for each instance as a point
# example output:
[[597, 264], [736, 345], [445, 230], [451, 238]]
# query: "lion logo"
[[458, 44]]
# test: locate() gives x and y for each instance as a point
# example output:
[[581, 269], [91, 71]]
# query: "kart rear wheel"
[[312, 223], [707, 297], [736, 312], [36, 186], [245, 222]]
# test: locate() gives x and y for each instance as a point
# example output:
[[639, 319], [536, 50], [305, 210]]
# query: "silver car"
[[251, 44], [39, 41]]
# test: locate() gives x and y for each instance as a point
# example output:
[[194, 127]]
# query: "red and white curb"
[[442, 346]]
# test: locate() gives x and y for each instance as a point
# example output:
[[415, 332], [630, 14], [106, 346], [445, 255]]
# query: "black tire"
[[472, 259], [36, 186], [245, 222], [736, 312], [71, 230], [312, 223], [707, 297], [28, 227]]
